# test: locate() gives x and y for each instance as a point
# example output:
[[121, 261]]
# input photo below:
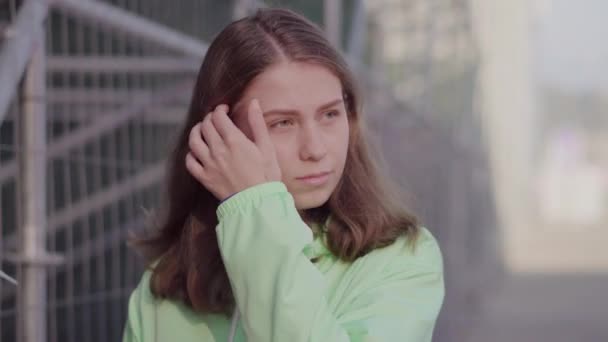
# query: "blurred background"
[[492, 115]]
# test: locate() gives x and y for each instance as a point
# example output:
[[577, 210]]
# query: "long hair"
[[188, 265]]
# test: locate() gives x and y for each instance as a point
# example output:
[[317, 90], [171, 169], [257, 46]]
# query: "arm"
[[133, 324], [281, 294]]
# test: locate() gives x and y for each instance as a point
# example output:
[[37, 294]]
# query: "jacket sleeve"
[[133, 323], [281, 294]]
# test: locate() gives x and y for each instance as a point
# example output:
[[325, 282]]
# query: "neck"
[[313, 215]]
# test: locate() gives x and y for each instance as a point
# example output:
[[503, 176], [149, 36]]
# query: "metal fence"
[[85, 133]]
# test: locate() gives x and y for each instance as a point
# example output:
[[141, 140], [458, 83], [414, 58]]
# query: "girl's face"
[[307, 122]]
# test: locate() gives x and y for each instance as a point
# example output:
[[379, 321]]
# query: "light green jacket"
[[391, 294]]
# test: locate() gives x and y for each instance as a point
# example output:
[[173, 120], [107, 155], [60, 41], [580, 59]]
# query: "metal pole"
[[134, 25], [358, 31], [32, 309], [19, 41], [332, 20]]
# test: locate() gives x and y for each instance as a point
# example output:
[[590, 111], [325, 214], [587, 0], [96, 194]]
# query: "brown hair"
[[363, 215]]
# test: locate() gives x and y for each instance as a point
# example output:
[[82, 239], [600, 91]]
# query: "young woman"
[[278, 227]]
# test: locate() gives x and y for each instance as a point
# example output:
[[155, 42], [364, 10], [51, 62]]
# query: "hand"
[[224, 160]]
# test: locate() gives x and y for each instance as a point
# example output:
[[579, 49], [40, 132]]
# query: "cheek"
[[339, 138], [285, 152]]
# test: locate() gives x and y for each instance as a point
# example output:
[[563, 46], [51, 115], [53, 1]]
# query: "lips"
[[315, 175], [315, 179]]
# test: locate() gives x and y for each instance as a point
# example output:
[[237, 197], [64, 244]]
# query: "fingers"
[[225, 127], [212, 136], [258, 125], [195, 168], [198, 147]]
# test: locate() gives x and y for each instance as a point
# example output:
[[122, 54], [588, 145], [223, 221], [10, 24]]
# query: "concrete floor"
[[556, 291], [546, 308]]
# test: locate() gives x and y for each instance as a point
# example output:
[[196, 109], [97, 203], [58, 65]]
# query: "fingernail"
[[256, 103], [223, 108]]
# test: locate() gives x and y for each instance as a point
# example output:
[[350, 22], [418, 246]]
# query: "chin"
[[311, 200]]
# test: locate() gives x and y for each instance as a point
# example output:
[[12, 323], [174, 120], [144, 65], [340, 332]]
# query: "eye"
[[281, 123], [332, 114]]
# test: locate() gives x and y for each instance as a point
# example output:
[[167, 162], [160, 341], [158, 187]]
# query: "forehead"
[[292, 85]]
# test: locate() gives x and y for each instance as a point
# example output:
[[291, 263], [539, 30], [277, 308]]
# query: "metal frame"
[[21, 40], [151, 175], [32, 305], [106, 123], [133, 25], [23, 52], [123, 64]]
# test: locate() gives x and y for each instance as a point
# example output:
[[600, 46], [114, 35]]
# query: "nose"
[[312, 144]]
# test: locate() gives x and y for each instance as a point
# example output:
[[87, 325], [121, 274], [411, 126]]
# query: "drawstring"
[[235, 320]]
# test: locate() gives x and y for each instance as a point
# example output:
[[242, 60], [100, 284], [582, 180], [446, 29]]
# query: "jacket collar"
[[318, 247]]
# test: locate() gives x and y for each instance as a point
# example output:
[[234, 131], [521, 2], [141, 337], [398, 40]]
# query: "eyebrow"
[[291, 111]]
